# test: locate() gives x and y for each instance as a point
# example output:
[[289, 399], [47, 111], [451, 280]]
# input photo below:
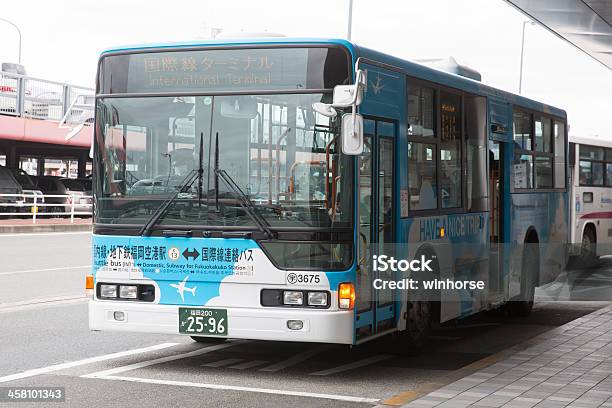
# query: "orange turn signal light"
[[89, 282], [346, 296]]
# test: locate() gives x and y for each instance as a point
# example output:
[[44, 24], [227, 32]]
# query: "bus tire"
[[587, 246], [208, 340], [423, 313], [418, 324], [522, 305]]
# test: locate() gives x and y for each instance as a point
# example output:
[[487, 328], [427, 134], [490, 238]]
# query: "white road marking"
[[298, 358], [221, 363], [161, 360], [351, 366], [43, 234], [249, 364], [37, 303], [246, 389], [63, 366], [45, 270]]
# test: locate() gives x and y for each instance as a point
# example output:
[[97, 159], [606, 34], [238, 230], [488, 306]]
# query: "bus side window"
[[450, 150], [423, 148], [476, 151], [422, 176]]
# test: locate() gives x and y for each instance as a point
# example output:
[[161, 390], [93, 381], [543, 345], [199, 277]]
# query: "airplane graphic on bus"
[[181, 288]]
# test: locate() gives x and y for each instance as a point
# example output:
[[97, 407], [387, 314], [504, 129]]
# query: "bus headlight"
[[124, 292], [128, 292], [108, 291], [293, 298], [317, 298]]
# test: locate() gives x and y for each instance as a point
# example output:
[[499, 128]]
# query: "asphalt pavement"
[[43, 266], [45, 341]]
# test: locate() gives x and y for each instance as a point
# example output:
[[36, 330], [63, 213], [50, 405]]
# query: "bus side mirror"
[[352, 134], [346, 95], [351, 95]]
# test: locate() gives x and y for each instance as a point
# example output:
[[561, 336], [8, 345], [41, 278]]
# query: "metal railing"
[[36, 205], [30, 97]]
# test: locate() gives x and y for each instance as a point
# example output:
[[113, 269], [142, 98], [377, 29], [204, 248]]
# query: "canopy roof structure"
[[587, 24]]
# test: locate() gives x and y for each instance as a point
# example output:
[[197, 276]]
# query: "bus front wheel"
[[423, 308], [208, 340], [418, 323], [521, 305]]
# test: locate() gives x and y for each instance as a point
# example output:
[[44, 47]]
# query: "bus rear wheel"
[[587, 247], [208, 340]]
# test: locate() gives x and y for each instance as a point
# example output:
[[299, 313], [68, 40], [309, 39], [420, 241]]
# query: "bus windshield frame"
[[283, 154]]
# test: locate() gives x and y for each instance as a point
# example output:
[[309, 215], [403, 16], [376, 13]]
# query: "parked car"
[[87, 185], [28, 186], [157, 185], [13, 191], [72, 188]]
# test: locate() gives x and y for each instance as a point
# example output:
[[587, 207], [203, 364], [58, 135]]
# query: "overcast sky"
[[62, 40]]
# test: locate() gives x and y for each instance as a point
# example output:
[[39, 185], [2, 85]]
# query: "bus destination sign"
[[218, 70]]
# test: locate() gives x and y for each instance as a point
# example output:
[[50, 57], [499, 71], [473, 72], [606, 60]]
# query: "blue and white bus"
[[242, 187]]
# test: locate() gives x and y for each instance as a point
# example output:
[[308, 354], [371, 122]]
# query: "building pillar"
[[81, 165], [11, 157], [41, 166]]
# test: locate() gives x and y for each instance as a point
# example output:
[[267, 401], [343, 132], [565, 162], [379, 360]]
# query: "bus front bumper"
[[322, 326]]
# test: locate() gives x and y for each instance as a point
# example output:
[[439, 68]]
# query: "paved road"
[[592, 283], [159, 370], [41, 266], [244, 373]]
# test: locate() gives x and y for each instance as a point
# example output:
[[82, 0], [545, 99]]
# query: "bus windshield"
[[283, 155]]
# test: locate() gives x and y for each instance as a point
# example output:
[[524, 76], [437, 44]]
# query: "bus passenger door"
[[375, 308], [385, 239], [496, 224]]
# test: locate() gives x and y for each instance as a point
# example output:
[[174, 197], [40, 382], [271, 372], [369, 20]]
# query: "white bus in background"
[[591, 181]]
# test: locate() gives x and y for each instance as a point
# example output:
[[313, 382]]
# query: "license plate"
[[203, 321]]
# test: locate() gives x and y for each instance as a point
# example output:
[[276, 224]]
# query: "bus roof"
[[232, 42], [456, 81], [592, 141], [405, 66]]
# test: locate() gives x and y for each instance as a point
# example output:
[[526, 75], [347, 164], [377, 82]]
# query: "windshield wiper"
[[244, 201], [185, 184], [161, 210]]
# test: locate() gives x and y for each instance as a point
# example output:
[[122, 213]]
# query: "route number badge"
[[174, 254]]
